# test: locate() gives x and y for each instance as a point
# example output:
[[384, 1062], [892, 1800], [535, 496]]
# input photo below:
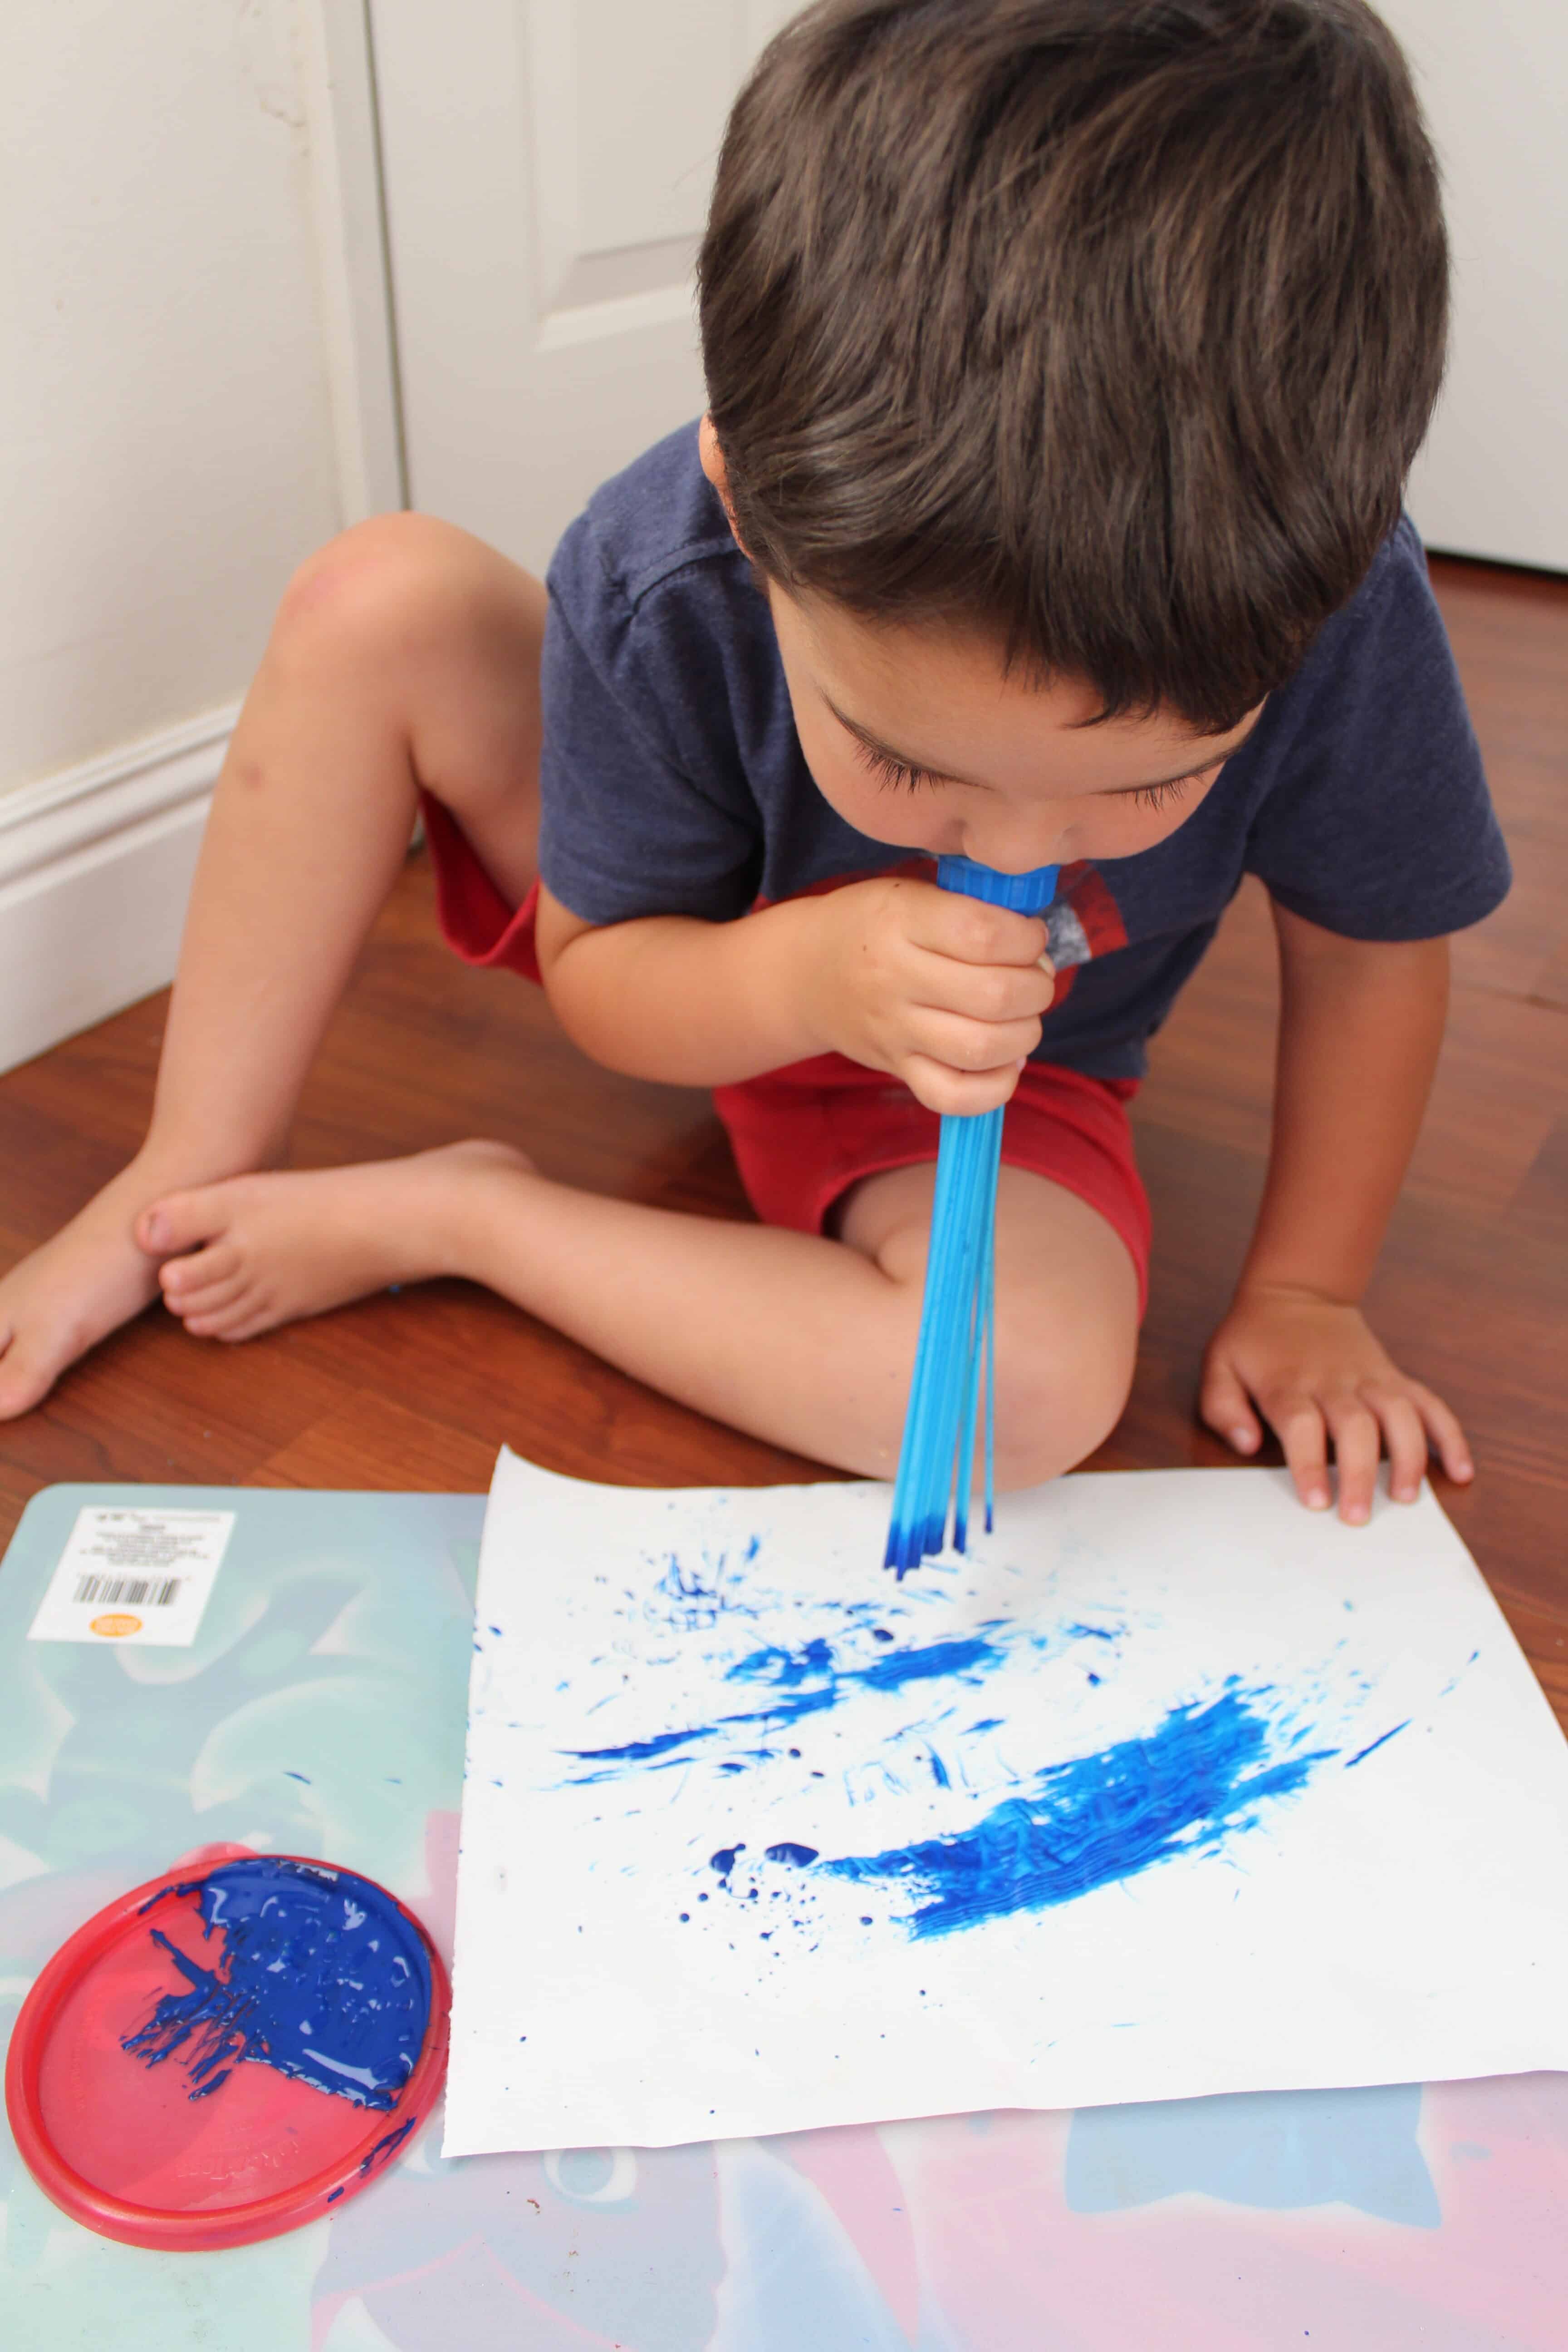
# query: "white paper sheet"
[[1171, 1788]]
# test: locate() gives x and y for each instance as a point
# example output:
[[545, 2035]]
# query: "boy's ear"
[[718, 473]]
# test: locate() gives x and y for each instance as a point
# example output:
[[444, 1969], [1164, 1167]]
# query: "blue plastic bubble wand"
[[956, 1348]]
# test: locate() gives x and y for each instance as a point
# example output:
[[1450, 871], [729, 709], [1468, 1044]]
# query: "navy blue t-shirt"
[[674, 784]]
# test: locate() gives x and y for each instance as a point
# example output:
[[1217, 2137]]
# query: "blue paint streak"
[[318, 1975], [1099, 1819], [807, 1682], [800, 1855], [938, 1771], [1376, 1744]]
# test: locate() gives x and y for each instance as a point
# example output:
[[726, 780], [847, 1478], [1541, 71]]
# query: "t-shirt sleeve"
[[1379, 824], [641, 813]]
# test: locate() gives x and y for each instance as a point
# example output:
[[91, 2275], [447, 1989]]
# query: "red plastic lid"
[[165, 2078]]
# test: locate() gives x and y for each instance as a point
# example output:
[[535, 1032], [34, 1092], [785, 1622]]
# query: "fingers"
[[1298, 1425], [971, 931], [1443, 1428], [997, 991], [965, 1045], [1225, 1406], [1405, 1433], [957, 1093], [1358, 1444]]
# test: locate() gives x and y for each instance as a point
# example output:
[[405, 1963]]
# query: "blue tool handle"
[[1026, 893]]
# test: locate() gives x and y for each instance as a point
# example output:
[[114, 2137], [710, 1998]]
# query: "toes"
[[26, 1376], [181, 1222], [182, 1278], [247, 1319], [211, 1298]]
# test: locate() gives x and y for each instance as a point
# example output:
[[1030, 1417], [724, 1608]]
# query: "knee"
[[1054, 1409], [384, 593]]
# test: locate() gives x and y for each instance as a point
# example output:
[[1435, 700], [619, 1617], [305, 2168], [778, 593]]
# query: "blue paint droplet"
[[1095, 1679], [880, 1633], [684, 1917], [800, 1855], [866, 1920], [334, 2195], [723, 1861], [305, 1952]]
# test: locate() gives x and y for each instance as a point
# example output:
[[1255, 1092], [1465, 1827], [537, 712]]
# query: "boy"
[[1066, 359]]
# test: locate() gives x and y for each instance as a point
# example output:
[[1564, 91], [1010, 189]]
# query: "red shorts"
[[803, 1135]]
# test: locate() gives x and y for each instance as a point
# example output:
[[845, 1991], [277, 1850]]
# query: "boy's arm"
[[936, 989], [1360, 1024]]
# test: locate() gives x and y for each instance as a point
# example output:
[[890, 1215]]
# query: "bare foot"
[[74, 1290], [240, 1258]]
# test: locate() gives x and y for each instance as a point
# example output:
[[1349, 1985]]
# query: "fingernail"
[[157, 1232], [1242, 1440], [1404, 1493], [1317, 1498], [1358, 1514], [1464, 1470]]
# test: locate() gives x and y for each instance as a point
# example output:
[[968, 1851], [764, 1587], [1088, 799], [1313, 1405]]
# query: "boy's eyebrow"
[[896, 758]]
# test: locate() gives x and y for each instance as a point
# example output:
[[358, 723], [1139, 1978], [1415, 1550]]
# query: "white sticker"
[[142, 1577]]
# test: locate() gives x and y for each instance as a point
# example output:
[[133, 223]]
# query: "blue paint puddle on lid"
[[316, 1973], [1096, 1819]]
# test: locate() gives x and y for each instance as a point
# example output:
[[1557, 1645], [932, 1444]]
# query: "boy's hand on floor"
[[941, 991], [1314, 1370]]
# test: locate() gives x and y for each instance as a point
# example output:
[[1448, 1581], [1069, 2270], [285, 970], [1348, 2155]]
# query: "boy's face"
[[916, 736]]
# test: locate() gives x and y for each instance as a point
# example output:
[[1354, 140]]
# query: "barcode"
[[136, 1592]]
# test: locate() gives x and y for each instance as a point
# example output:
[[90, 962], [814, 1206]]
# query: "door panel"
[[547, 170]]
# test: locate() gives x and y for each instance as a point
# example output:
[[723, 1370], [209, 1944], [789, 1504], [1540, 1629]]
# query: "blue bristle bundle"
[[955, 1352]]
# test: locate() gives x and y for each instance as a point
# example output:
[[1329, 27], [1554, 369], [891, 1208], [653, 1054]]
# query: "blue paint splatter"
[[318, 1976], [800, 1855], [938, 1771], [1376, 1744], [808, 1682], [296, 1776], [1099, 1819]]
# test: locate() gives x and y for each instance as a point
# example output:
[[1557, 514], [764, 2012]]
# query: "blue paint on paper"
[[317, 1974], [938, 1771], [800, 1855], [1376, 1744], [806, 1682], [1096, 1819]]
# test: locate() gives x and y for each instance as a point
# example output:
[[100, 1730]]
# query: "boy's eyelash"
[[1154, 796], [893, 772]]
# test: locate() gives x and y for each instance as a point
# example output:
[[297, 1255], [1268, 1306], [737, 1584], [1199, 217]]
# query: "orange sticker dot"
[[113, 1627]]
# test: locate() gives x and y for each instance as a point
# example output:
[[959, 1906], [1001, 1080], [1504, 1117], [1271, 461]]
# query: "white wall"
[[167, 455], [166, 441]]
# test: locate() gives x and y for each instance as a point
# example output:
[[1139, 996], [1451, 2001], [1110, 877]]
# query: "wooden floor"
[[418, 1391]]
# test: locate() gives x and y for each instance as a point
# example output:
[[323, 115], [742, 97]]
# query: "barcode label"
[[127, 1592], [134, 1575]]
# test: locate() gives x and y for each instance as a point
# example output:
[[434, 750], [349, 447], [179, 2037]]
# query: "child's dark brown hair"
[[1107, 327]]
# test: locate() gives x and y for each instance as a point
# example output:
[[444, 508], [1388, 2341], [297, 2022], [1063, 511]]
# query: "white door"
[[1493, 74], [547, 166]]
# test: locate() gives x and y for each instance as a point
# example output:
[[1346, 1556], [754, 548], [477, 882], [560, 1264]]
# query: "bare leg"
[[405, 652], [805, 1342]]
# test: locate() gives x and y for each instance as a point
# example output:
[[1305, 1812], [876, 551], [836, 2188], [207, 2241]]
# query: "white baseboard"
[[95, 868]]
